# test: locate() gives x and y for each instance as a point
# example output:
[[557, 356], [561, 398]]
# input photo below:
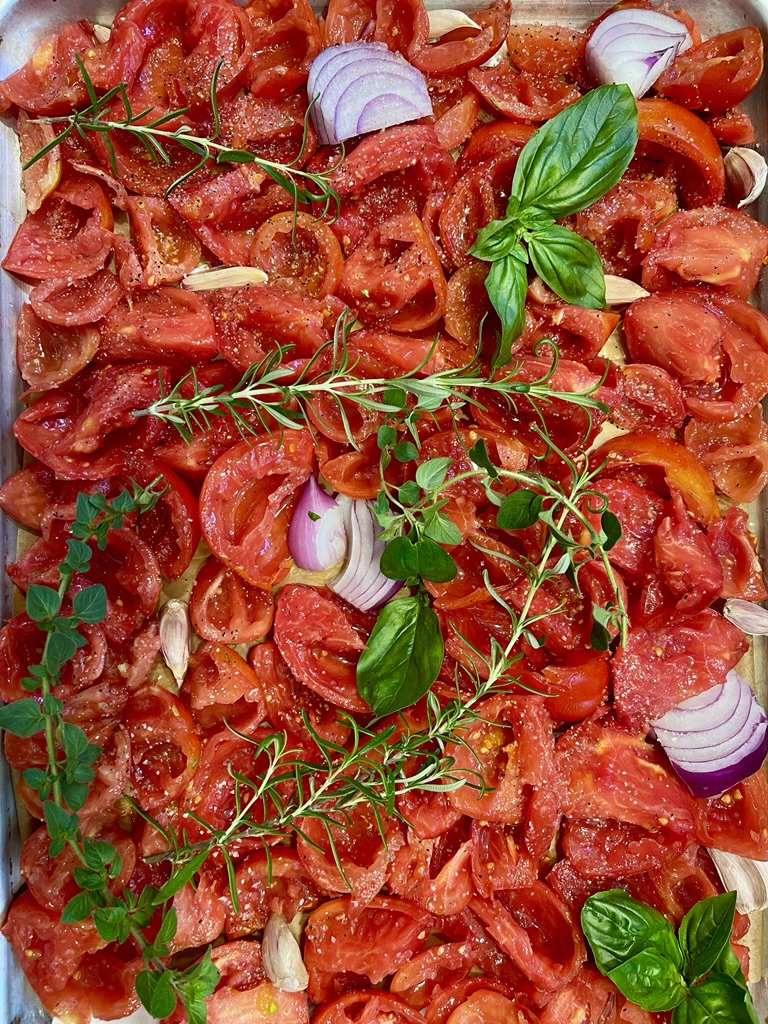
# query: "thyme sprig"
[[150, 128], [272, 394]]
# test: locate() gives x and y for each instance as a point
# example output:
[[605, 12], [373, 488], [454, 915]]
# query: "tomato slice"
[[221, 688], [246, 502], [717, 74], [223, 606], [165, 747]]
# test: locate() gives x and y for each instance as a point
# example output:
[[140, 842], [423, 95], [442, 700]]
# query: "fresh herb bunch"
[[64, 782], [553, 180], [99, 116], [695, 973]]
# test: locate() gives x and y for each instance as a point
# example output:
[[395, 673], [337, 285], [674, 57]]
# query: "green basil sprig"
[[569, 163], [694, 973]]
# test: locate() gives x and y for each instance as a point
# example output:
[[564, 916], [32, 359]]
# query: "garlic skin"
[[209, 278], [749, 878], [176, 637], [750, 617], [746, 172], [282, 956], [443, 21]]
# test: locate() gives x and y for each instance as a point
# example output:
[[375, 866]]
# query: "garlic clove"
[[749, 879], [750, 617], [176, 637], [745, 172], [223, 277], [620, 291], [282, 956], [444, 20], [102, 33]]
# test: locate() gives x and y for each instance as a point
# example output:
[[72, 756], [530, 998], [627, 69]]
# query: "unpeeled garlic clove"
[[445, 20], [223, 277], [750, 617], [745, 172], [749, 879], [282, 956], [176, 637], [620, 291]]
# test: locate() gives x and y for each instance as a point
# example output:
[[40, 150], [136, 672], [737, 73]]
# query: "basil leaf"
[[569, 265], [519, 510], [578, 155], [728, 963], [650, 980], [506, 284], [717, 1000], [402, 657], [496, 240], [618, 927], [704, 933]]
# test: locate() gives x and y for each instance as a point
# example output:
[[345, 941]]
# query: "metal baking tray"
[[22, 24]]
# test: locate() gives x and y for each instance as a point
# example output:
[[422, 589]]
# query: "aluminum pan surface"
[[22, 24]]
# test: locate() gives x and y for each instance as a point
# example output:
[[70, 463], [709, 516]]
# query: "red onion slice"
[[716, 739], [634, 46], [317, 539], [351, 82], [361, 581]]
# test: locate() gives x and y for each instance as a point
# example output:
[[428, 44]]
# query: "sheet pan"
[[22, 24]]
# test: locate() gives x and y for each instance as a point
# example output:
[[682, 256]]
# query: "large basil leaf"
[[506, 284], [569, 265], [578, 155], [704, 933], [619, 927], [402, 657], [650, 980], [716, 1000]]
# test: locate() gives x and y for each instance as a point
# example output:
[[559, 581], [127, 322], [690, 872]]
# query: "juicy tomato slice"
[[302, 252], [320, 637], [523, 97], [286, 39], [274, 883], [68, 303], [432, 970], [48, 355], [674, 137], [717, 74], [167, 249], [366, 1006], [659, 667], [168, 324], [435, 873], [224, 606], [461, 49], [577, 686], [734, 544], [247, 499], [220, 687], [618, 849], [736, 820], [165, 747], [549, 50]]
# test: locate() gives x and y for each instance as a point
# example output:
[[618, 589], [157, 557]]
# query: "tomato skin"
[[246, 502], [717, 74], [277, 883], [460, 51], [48, 355], [301, 251], [735, 821], [523, 97], [578, 686], [68, 303], [165, 747], [671, 133], [224, 606], [365, 1006], [734, 544], [432, 874], [220, 687]]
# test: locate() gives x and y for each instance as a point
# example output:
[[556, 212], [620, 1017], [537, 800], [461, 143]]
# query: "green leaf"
[[618, 927], [611, 528], [155, 991], [112, 923], [430, 475], [78, 908], [406, 557], [22, 717], [235, 156], [479, 455], [35, 777], [578, 155], [399, 559], [61, 647], [99, 854], [440, 528], [569, 265], [395, 397], [435, 564], [506, 284], [409, 493], [651, 980], [705, 932], [90, 604], [728, 963], [61, 824], [386, 436], [716, 1000], [496, 240], [405, 451], [43, 603], [78, 556], [403, 655], [180, 878], [519, 510]]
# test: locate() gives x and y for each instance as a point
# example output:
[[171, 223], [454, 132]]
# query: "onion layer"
[[717, 738], [362, 582], [633, 46], [361, 87], [316, 536]]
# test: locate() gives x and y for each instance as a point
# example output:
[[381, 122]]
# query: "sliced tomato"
[[274, 883], [21, 645], [717, 74], [48, 355], [321, 637], [686, 561], [663, 665], [366, 1006], [260, 1003], [461, 49], [577, 687], [736, 820], [246, 502], [224, 606], [652, 399], [713, 246], [166, 247], [303, 252], [734, 545], [220, 688], [220, 41], [286, 39], [69, 303], [435, 873], [689, 347], [548, 50], [50, 82], [523, 97], [167, 324]]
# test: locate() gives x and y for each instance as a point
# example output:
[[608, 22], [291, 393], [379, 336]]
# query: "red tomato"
[[455, 125], [47, 355], [734, 545], [661, 666], [499, 860], [286, 39], [548, 50], [719, 248], [274, 883], [49, 83], [220, 40], [321, 637], [164, 746], [261, 1003], [246, 502], [690, 346], [484, 1006], [671, 136], [60, 300], [21, 645], [736, 820], [686, 561], [535, 929], [430, 971], [221, 688], [223, 606], [652, 399], [301, 251], [523, 97], [717, 74], [373, 942], [366, 1006], [169, 324], [612, 849], [166, 248], [435, 873], [462, 49], [576, 687]]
